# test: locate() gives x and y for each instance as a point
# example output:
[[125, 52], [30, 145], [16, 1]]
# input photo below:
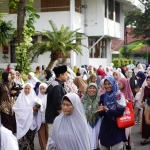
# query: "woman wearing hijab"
[[117, 75], [32, 79], [125, 88], [69, 86], [108, 71], [18, 79], [102, 88], [25, 112], [110, 135], [7, 101], [46, 76], [90, 103], [94, 79], [70, 130], [8, 68], [7, 140], [42, 126], [81, 85], [101, 72], [145, 125], [141, 78]]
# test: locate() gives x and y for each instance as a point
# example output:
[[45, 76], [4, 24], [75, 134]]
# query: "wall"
[[94, 17], [57, 17]]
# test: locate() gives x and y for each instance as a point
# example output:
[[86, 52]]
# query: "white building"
[[99, 21]]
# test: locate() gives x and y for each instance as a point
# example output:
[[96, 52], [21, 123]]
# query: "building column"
[[72, 13]]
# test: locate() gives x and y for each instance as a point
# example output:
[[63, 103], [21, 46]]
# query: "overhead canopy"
[[131, 5]]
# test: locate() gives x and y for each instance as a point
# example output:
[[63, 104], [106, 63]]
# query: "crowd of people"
[[73, 109]]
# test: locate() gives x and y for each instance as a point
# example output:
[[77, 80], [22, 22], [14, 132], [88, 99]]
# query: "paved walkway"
[[136, 140]]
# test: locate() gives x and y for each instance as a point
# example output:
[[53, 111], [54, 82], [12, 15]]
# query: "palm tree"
[[6, 32], [59, 42]]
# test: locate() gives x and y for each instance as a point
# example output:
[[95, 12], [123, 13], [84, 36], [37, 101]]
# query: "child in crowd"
[[137, 108]]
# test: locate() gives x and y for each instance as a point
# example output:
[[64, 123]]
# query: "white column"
[[72, 13]]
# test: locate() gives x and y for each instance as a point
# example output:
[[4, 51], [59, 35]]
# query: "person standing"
[[55, 93], [26, 113], [70, 130], [6, 102], [110, 134], [90, 103]]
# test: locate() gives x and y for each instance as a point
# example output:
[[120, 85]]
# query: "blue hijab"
[[142, 77], [110, 97]]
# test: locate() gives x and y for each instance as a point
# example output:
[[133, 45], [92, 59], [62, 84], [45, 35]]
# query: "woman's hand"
[[35, 109], [102, 108], [13, 92], [53, 148]]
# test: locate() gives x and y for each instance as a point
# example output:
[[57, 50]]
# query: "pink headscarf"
[[102, 89], [120, 75], [127, 89]]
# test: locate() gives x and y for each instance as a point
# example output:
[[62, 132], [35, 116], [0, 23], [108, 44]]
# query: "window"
[[100, 49], [110, 9], [105, 8], [117, 11]]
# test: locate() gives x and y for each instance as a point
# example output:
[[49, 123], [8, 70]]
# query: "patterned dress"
[[6, 104]]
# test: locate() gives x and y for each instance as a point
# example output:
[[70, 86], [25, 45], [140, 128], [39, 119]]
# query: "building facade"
[[100, 22]]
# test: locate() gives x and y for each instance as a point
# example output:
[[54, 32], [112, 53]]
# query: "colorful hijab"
[[127, 89], [90, 105], [113, 99], [142, 77], [120, 75], [110, 97]]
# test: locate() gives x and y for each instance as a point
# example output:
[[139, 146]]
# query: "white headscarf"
[[33, 79], [109, 72], [8, 140], [41, 111], [71, 131], [72, 74], [23, 109]]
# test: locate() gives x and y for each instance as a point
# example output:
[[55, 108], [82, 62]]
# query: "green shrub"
[[1, 71], [118, 62]]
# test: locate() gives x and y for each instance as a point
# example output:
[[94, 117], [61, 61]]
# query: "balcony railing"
[[53, 9]]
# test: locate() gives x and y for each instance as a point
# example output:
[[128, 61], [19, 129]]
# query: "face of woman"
[[121, 86], [115, 76], [29, 76], [92, 91], [13, 75], [45, 74], [42, 90], [107, 69], [93, 79], [17, 75], [27, 89], [9, 77], [67, 107], [107, 86]]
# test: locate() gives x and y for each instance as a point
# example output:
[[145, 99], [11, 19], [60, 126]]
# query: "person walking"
[[55, 92]]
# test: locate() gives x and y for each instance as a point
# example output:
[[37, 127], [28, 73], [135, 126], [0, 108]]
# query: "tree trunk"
[[20, 20], [50, 65]]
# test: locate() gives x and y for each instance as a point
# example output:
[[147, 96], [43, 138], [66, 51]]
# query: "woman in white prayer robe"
[[26, 112], [7, 140]]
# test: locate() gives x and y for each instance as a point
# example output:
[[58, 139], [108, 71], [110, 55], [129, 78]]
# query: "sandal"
[[144, 141]]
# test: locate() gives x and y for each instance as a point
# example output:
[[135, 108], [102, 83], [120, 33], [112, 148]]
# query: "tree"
[[6, 32], [140, 20], [25, 30], [60, 42]]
